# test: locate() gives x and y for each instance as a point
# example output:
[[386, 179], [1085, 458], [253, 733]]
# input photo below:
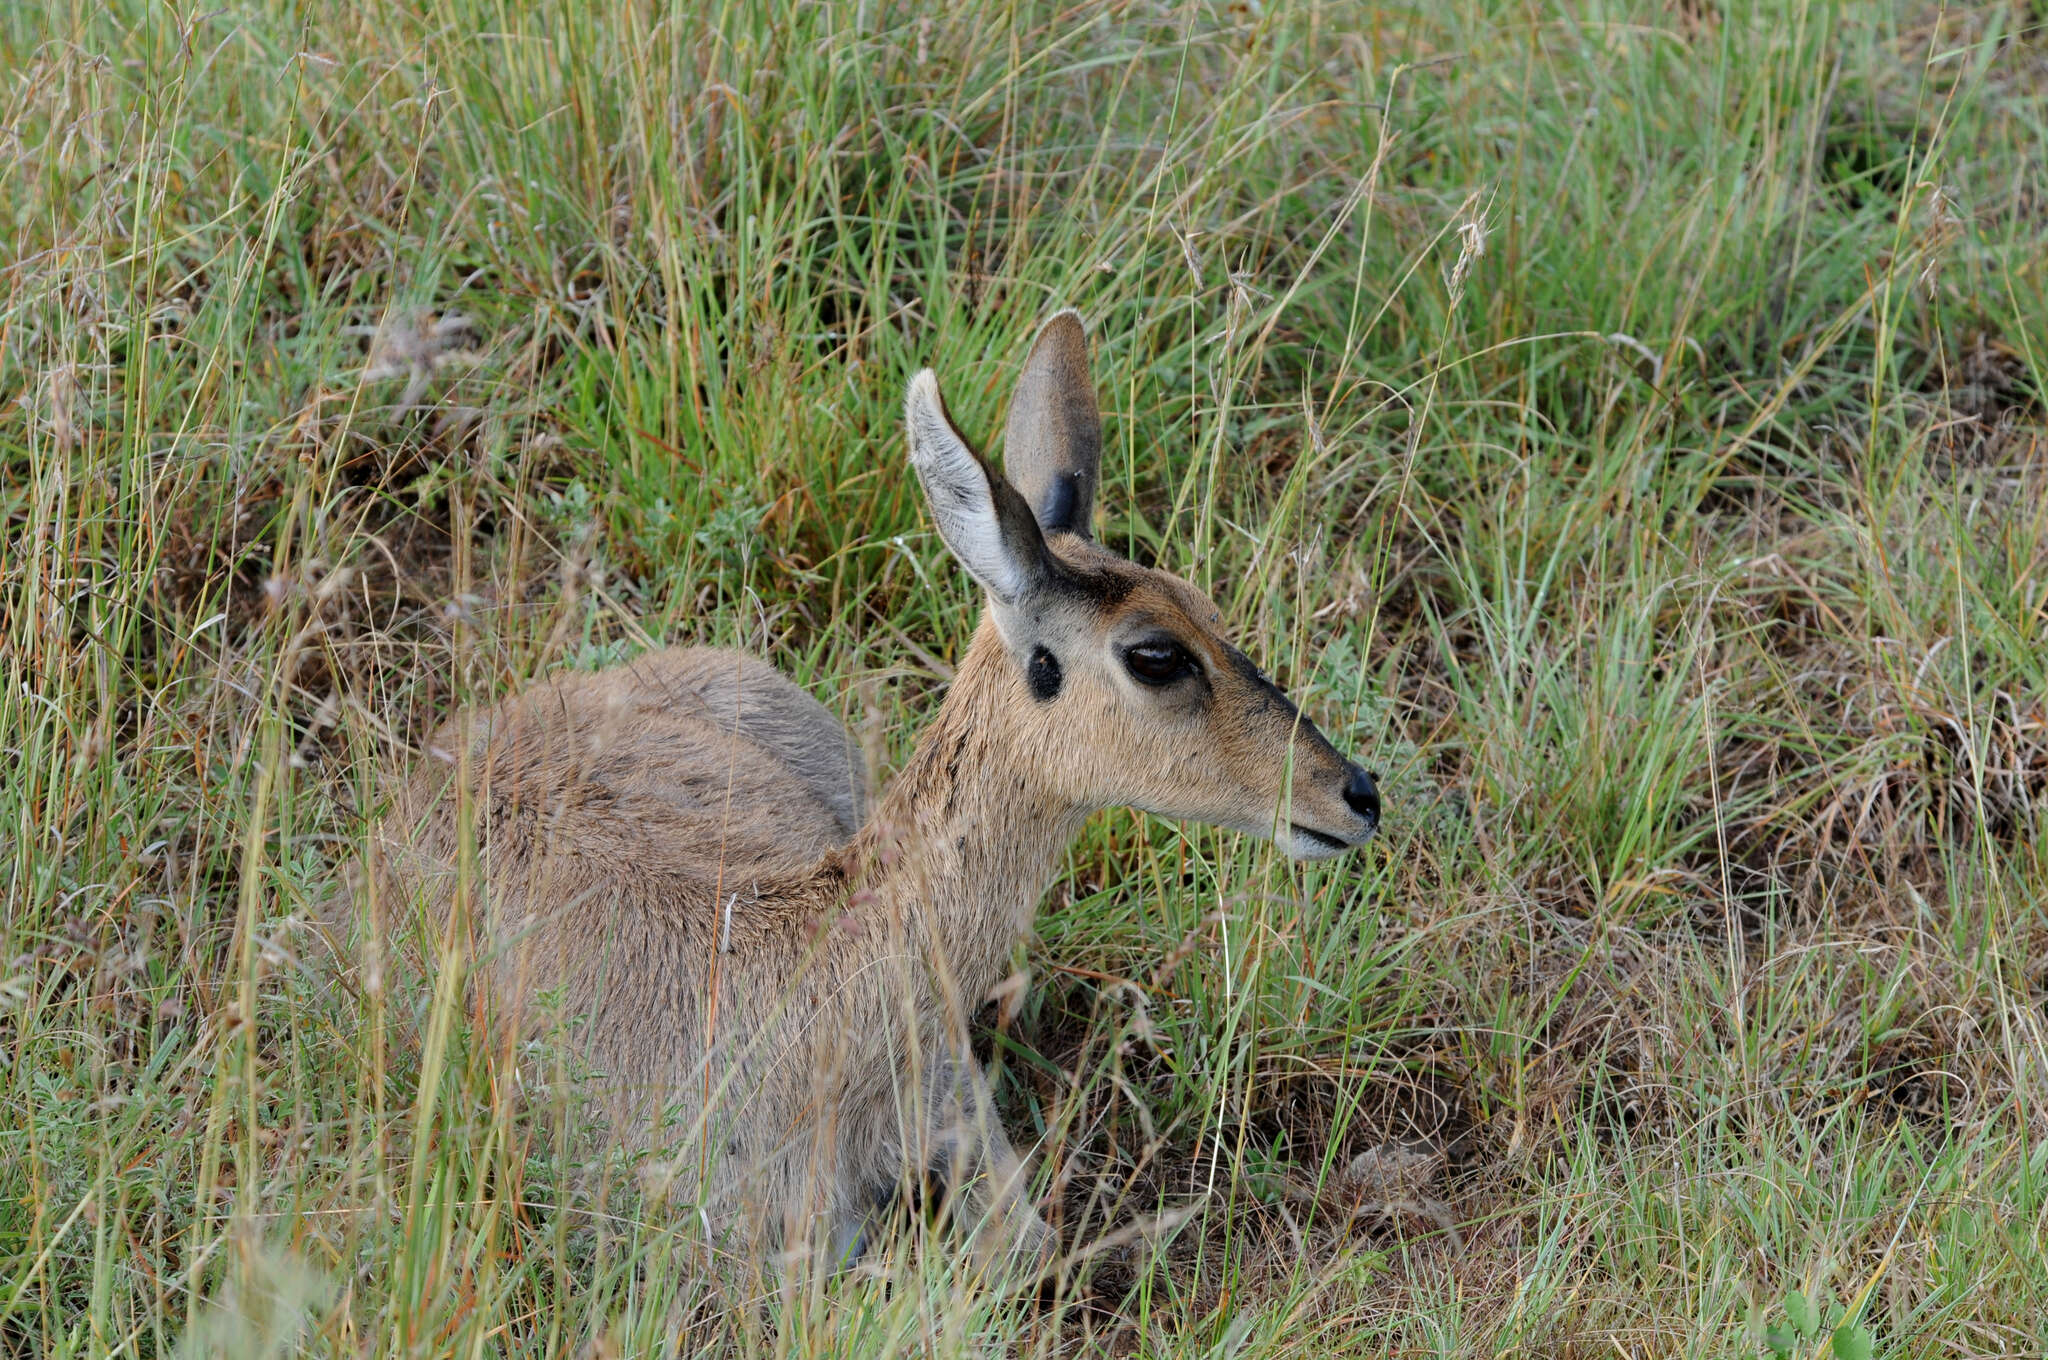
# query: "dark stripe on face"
[[1103, 587], [1241, 665]]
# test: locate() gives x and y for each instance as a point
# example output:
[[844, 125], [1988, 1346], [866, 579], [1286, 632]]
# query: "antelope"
[[677, 848]]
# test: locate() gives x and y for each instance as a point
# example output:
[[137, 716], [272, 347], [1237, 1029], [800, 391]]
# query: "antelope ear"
[[985, 523], [1052, 448]]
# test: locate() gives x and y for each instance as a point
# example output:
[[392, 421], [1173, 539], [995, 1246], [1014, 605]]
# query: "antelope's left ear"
[[1052, 447], [985, 523]]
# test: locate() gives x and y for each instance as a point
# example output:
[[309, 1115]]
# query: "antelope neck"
[[967, 838]]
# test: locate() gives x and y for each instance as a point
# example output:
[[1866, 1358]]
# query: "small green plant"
[[1813, 1324]]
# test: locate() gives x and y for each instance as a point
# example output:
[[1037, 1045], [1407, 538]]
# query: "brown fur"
[[673, 843]]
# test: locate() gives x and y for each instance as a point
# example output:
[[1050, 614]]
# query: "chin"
[[1300, 842]]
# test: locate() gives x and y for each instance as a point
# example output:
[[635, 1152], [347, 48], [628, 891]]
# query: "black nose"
[[1363, 793]]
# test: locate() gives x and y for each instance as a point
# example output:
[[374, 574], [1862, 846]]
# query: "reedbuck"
[[675, 848]]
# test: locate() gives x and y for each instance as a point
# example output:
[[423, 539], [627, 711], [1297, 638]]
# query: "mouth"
[[1310, 843]]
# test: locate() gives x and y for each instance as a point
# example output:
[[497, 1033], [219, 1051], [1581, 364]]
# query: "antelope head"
[[1122, 690]]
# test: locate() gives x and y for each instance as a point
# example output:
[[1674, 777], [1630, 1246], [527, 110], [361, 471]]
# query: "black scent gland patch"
[[1043, 674]]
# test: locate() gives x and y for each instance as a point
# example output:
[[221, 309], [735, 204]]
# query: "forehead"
[[1123, 589]]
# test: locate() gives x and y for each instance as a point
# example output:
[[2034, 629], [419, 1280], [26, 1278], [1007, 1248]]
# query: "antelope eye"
[[1158, 663]]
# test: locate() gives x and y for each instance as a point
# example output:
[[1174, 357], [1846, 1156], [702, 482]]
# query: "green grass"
[[1621, 422]]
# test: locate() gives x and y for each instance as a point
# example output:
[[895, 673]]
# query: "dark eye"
[[1158, 663]]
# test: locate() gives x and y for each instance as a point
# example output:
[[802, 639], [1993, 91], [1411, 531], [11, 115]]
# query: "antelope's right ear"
[[1052, 448], [985, 523]]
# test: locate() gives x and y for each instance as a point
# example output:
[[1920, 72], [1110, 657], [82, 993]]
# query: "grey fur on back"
[[662, 721], [744, 695]]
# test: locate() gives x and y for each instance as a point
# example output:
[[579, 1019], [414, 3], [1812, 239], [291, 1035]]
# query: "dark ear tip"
[[1068, 325]]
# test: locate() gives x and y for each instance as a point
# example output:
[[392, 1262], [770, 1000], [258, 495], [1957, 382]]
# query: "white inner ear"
[[958, 492]]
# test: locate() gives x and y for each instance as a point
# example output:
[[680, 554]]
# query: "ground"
[[1622, 424]]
